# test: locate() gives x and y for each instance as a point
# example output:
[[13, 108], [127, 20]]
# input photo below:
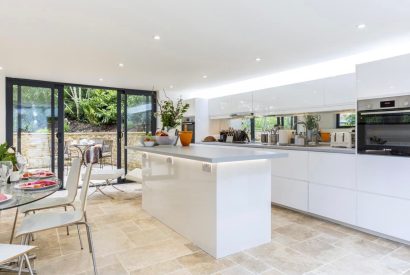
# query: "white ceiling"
[[81, 41]]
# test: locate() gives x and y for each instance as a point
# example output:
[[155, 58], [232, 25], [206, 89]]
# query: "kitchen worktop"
[[319, 148], [205, 153]]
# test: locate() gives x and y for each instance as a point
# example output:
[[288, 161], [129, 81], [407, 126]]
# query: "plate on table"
[[5, 197], [36, 185], [41, 174]]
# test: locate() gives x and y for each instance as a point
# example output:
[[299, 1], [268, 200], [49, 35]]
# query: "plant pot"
[[185, 137]]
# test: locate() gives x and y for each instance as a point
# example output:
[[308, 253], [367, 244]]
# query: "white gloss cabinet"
[[384, 175], [384, 214], [337, 170], [340, 91], [289, 192], [225, 106], [384, 78], [332, 202], [295, 166]]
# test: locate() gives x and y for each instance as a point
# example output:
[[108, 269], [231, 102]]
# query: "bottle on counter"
[[292, 138]]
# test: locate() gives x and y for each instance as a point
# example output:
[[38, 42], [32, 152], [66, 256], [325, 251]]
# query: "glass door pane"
[[34, 125], [137, 122]]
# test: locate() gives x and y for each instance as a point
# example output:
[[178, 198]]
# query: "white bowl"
[[149, 143], [165, 140]]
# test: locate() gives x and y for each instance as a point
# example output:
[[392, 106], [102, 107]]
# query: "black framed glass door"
[[137, 119], [34, 127]]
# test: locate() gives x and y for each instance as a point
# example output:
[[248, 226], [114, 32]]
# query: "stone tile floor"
[[129, 241]]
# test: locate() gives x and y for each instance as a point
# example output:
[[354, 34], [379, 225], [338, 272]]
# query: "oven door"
[[384, 132]]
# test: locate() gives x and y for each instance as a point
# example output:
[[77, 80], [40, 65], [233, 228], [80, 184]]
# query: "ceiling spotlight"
[[361, 26], [171, 86], [204, 76], [258, 59], [1, 68], [157, 37], [101, 79], [121, 65]]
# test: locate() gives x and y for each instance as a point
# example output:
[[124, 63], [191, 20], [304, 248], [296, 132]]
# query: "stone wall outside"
[[36, 147]]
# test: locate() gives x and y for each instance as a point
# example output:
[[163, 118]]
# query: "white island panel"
[[222, 207]]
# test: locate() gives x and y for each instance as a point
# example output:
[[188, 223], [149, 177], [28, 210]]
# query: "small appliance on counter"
[[235, 136], [284, 137], [343, 139]]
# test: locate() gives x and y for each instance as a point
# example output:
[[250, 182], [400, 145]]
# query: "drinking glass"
[[6, 167]]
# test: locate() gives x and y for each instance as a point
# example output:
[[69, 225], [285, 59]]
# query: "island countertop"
[[209, 154]]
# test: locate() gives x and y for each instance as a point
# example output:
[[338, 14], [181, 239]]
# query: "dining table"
[[20, 197], [83, 148]]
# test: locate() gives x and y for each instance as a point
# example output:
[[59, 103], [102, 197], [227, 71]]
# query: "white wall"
[[2, 108]]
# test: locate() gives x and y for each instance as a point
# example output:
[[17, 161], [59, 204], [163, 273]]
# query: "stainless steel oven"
[[383, 126]]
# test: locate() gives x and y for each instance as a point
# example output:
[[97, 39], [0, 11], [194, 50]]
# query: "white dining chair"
[[48, 220], [9, 252], [53, 202]]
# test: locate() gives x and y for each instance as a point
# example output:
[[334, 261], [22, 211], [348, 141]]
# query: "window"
[[345, 120], [269, 122]]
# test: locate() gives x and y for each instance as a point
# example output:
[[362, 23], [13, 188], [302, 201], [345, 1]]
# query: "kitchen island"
[[217, 197]]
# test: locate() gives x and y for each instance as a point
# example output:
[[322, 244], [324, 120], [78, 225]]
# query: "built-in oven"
[[383, 126], [188, 124]]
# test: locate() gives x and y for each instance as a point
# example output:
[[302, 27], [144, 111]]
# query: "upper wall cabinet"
[[340, 91], [191, 109], [317, 95], [388, 77], [225, 106]]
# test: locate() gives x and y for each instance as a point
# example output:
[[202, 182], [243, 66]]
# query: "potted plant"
[[312, 123], [171, 115]]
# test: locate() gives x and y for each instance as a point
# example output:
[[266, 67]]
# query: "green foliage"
[[6, 155], [171, 115], [312, 121]]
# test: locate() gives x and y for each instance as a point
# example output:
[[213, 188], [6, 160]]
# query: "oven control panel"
[[384, 103]]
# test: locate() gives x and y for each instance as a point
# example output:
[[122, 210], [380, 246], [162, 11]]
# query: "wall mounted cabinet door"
[[228, 105], [340, 90], [386, 77]]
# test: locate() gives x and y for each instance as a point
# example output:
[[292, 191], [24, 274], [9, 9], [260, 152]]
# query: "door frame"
[[122, 127], [59, 87], [56, 89]]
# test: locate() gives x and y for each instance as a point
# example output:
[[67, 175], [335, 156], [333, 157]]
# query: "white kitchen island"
[[217, 197]]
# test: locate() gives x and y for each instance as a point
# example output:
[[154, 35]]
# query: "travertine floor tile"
[[159, 268], [320, 250], [297, 232]]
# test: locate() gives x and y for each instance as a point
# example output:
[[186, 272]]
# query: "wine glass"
[[6, 167]]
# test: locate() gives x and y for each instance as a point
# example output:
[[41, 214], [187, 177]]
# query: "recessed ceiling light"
[[101, 79], [121, 65], [361, 26], [157, 37], [205, 76], [1, 68], [258, 59], [171, 86]]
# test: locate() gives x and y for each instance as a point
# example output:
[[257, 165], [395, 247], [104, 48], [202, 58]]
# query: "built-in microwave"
[[383, 126]]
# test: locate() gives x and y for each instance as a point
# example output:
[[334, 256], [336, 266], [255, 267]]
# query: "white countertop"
[[320, 148], [209, 153]]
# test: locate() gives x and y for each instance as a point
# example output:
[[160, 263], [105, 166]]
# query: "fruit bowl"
[[165, 140]]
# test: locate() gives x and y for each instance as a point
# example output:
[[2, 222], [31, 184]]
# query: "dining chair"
[[49, 220], [107, 152], [53, 202], [9, 252]]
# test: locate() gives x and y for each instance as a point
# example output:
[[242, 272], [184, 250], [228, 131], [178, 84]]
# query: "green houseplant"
[[7, 153], [171, 114]]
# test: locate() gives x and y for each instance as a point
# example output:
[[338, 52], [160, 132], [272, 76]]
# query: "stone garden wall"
[[36, 147]]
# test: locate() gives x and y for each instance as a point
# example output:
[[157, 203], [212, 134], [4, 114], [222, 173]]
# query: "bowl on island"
[[149, 143], [165, 140]]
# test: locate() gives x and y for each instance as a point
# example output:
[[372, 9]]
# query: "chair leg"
[[79, 237], [28, 263], [68, 230], [14, 226], [90, 243]]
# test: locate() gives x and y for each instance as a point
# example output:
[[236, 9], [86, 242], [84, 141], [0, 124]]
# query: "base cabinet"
[[332, 202], [383, 214], [289, 192]]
